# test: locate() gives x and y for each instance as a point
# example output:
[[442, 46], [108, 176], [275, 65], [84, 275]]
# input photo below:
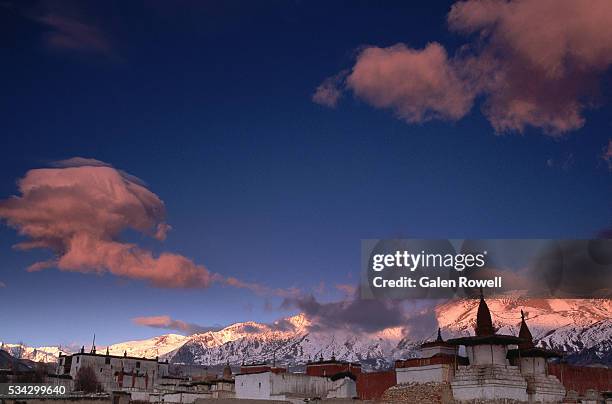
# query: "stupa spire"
[[525, 334], [484, 323]]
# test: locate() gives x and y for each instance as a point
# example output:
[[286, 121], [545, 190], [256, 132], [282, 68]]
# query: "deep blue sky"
[[210, 104]]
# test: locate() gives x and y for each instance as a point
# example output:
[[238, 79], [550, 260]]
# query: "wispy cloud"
[[329, 92], [565, 163], [261, 289], [166, 322], [66, 33], [534, 63], [66, 26]]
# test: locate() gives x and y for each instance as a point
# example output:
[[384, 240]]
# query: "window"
[[78, 357], [137, 365], [107, 360], [260, 385]]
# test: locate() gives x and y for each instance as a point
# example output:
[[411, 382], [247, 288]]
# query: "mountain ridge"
[[580, 328]]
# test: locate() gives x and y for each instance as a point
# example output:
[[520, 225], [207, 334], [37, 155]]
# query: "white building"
[[436, 362], [489, 375], [532, 362], [293, 386], [115, 372]]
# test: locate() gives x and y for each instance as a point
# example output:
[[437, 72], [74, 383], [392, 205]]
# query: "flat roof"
[[495, 339], [533, 353], [114, 356], [432, 344], [332, 362]]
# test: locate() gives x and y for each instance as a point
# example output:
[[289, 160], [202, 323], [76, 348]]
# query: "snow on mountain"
[[573, 325], [40, 354], [580, 327], [253, 342], [150, 348], [552, 320], [583, 328], [543, 315]]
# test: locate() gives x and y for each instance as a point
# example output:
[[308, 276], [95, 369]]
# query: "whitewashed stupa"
[[489, 375], [532, 362]]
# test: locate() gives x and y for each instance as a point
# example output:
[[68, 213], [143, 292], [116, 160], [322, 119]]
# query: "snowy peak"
[[167, 345], [40, 354], [543, 315], [150, 348], [280, 329]]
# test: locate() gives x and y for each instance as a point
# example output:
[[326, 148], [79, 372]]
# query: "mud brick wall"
[[582, 378]]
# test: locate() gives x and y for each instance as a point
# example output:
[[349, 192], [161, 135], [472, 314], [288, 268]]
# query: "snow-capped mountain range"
[[581, 328], [40, 354]]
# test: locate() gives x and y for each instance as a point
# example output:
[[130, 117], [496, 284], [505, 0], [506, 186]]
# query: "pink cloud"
[[329, 92], [260, 289], [551, 36], [2, 284], [166, 322], [79, 209], [79, 214], [540, 61], [153, 321], [535, 63], [417, 84]]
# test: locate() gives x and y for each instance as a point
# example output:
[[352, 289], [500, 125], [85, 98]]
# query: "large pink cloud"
[[535, 63], [79, 212], [540, 61], [552, 36], [417, 84]]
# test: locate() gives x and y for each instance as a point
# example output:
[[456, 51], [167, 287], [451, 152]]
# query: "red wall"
[[581, 378], [254, 369], [330, 369], [372, 385], [434, 360]]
